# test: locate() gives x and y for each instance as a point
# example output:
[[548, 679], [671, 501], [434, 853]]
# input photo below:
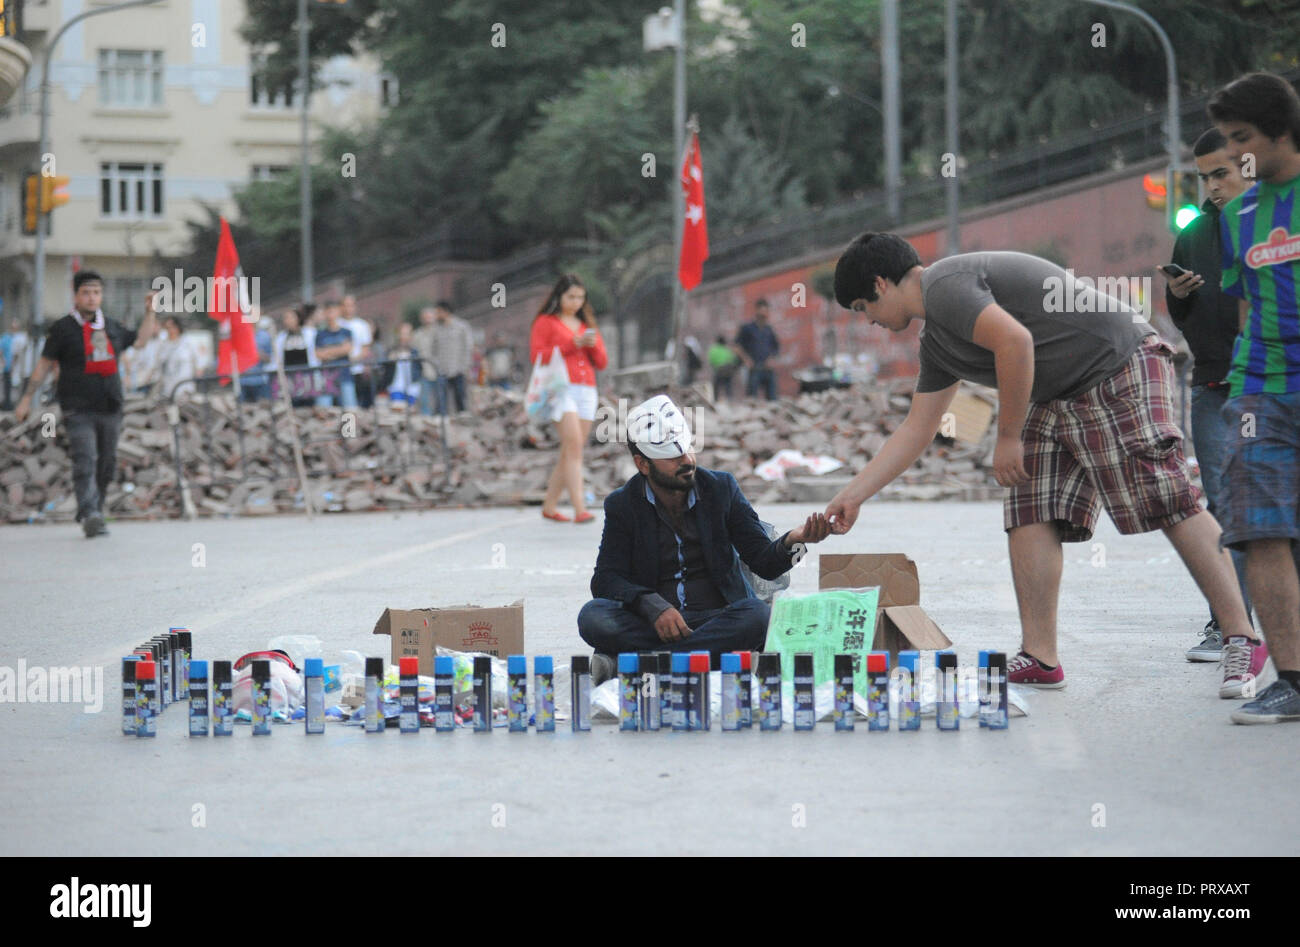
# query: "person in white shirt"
[[362, 338], [177, 363], [295, 346]]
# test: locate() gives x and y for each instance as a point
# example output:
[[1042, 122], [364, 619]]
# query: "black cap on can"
[[482, 665], [769, 662], [665, 659], [128, 671], [946, 659], [374, 667], [803, 664], [262, 671], [843, 665], [998, 659], [648, 661], [581, 664], [187, 640], [220, 672]]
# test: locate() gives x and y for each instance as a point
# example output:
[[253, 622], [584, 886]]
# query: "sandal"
[[558, 517], [584, 517]]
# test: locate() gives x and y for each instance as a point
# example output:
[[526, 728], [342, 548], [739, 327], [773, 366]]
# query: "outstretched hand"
[[814, 530]]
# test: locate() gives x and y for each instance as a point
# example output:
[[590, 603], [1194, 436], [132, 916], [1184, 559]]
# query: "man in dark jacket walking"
[[668, 572], [1208, 320]]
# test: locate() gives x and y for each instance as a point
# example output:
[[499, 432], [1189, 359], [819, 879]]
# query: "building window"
[[268, 172], [387, 91], [124, 297], [130, 191], [131, 78], [263, 95]]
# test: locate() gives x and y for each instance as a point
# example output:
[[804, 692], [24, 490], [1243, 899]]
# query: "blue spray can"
[[769, 691], [146, 685], [878, 690], [681, 666], [805, 712], [261, 698], [373, 714], [313, 677], [843, 712], [580, 688], [223, 700], [909, 695], [998, 716], [649, 710], [731, 692], [128, 694], [544, 694], [517, 693], [629, 691], [946, 711], [444, 685], [196, 677], [408, 695]]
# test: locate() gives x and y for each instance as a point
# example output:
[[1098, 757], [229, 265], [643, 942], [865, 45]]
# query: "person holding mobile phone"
[[1208, 320]]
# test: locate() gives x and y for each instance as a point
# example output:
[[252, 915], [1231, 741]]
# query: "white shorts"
[[580, 399]]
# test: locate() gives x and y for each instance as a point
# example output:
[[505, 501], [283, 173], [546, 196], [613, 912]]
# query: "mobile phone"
[[1173, 270]]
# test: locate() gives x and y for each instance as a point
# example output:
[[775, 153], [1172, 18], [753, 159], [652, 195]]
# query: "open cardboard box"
[[417, 632], [901, 622]]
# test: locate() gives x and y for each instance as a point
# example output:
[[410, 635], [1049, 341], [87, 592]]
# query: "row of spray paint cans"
[[657, 690]]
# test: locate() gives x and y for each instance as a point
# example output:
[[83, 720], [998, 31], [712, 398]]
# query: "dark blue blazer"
[[627, 566]]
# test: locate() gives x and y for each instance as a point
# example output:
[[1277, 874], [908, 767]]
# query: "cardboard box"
[[901, 622], [418, 632], [972, 412]]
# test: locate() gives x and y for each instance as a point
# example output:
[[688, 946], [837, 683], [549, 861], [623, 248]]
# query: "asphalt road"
[[1136, 756]]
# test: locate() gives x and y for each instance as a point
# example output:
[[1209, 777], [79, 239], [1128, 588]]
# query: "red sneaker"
[[1022, 669]]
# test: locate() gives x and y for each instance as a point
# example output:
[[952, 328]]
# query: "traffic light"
[[31, 208], [52, 191], [1186, 202], [1155, 188]]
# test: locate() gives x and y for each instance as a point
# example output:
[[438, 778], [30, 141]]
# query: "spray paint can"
[[444, 697], [482, 686], [998, 717], [681, 670], [580, 687], [878, 690], [664, 664], [982, 686], [769, 691], [805, 713], [517, 693], [909, 695], [185, 640], [843, 712], [629, 691], [705, 663], [313, 676], [544, 694], [697, 693], [164, 670], [946, 711], [731, 692], [373, 715], [649, 709], [196, 678], [261, 698], [180, 689], [146, 684], [408, 693], [223, 700], [746, 689], [129, 725]]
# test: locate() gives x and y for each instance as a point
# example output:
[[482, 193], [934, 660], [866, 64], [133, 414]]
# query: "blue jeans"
[[761, 376], [347, 389], [1210, 439], [433, 393], [612, 629]]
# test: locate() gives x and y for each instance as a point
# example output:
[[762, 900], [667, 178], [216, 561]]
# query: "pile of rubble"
[[240, 459]]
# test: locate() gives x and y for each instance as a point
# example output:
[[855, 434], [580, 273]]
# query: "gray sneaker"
[[1278, 702], [602, 668], [1211, 645], [93, 525]]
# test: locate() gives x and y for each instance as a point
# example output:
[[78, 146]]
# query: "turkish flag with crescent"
[[695, 229], [228, 304]]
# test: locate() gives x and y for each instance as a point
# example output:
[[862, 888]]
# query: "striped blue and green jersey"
[[1261, 264]]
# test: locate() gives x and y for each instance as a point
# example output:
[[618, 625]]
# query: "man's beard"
[[675, 482]]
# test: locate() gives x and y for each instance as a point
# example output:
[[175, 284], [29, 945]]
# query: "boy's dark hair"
[[868, 256], [444, 304], [1261, 99], [81, 277], [761, 303], [1211, 140]]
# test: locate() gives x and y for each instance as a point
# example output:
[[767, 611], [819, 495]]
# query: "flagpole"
[[680, 292]]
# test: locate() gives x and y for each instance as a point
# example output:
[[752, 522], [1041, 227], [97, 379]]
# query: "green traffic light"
[[1185, 215]]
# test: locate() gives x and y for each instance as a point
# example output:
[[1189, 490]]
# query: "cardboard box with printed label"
[[418, 632], [901, 622]]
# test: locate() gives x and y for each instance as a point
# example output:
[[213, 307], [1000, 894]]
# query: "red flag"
[[228, 304], [695, 230]]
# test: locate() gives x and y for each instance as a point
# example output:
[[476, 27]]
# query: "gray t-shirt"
[[1081, 336]]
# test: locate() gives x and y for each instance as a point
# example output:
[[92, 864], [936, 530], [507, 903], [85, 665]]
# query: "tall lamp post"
[[38, 290], [663, 30]]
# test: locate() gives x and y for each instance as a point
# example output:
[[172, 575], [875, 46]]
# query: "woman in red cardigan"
[[567, 322]]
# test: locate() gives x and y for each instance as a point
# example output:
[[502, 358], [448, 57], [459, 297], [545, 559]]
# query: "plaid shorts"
[[1260, 488], [1114, 445]]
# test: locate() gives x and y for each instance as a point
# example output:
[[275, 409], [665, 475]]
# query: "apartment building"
[[155, 111]]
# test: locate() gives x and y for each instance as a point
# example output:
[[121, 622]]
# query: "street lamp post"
[[953, 242], [889, 69], [304, 173], [38, 266]]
